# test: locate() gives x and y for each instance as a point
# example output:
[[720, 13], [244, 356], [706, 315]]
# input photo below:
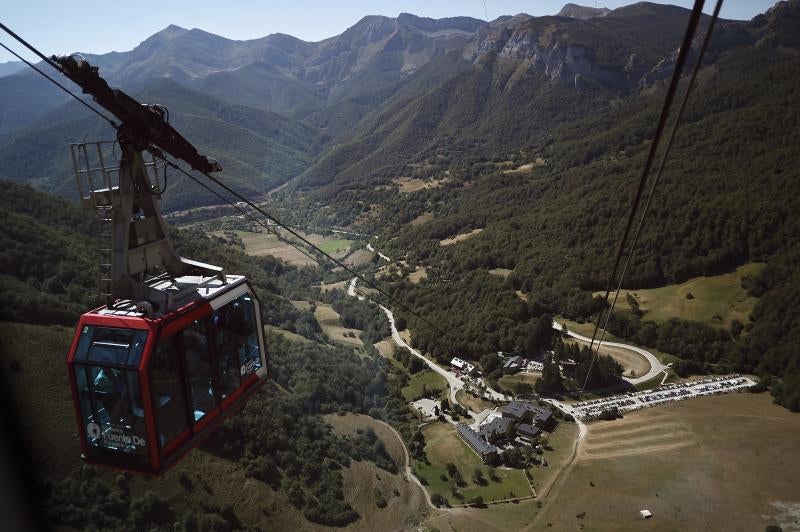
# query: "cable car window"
[[111, 407], [198, 369], [112, 346], [169, 394], [244, 312], [229, 344]]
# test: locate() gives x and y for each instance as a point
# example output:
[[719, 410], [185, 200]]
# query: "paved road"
[[381, 255], [656, 366], [453, 381]]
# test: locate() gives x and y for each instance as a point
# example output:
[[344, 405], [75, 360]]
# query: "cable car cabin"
[[149, 389]]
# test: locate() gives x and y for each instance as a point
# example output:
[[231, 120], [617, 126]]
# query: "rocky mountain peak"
[[582, 12]]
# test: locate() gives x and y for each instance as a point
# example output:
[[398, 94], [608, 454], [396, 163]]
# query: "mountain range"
[[359, 106]]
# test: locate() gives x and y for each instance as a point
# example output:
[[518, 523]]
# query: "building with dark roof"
[[496, 429], [474, 440], [528, 431], [527, 412], [513, 365]]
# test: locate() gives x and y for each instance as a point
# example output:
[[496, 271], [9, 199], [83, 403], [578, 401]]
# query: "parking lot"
[[593, 409]]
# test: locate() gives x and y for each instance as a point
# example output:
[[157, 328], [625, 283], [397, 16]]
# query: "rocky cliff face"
[[582, 12]]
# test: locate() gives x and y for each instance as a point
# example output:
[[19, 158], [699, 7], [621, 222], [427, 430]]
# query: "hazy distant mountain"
[[582, 12], [384, 93], [10, 67]]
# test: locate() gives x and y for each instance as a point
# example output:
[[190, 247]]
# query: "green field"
[[427, 378], [335, 246], [717, 300], [508, 382], [442, 446]]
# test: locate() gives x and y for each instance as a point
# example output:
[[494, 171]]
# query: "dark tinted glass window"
[[112, 346], [111, 407], [198, 369], [169, 393], [244, 312], [228, 343]]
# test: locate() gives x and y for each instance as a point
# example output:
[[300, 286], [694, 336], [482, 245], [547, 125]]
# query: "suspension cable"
[[56, 83], [308, 243], [661, 166], [683, 54]]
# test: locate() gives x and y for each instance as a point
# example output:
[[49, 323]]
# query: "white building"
[[463, 366]]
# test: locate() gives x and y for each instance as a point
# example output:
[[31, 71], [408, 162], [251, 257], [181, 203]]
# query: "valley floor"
[[722, 463]]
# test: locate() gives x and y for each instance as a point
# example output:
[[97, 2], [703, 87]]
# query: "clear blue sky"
[[93, 26]]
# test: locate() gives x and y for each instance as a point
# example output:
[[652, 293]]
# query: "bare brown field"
[[386, 347], [350, 423], [633, 364], [332, 326], [301, 305], [406, 505], [522, 169], [476, 404], [459, 238], [259, 244], [423, 218], [501, 272], [417, 275], [358, 257], [411, 184], [728, 462]]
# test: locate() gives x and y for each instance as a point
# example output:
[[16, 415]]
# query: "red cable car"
[[179, 345], [147, 390]]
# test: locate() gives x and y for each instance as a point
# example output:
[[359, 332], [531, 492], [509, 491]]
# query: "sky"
[[91, 26]]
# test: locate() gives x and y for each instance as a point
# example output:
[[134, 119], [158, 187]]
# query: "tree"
[[477, 477]]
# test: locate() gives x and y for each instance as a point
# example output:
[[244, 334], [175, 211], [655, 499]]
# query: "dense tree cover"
[[729, 195], [88, 500], [280, 438], [358, 314], [48, 264], [477, 316]]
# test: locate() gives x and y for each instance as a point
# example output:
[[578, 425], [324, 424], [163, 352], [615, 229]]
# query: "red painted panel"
[[173, 325]]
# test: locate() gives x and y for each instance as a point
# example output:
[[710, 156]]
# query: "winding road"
[[453, 381], [656, 367]]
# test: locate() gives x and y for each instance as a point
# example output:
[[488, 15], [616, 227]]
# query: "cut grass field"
[[259, 244], [717, 300], [443, 446], [331, 325], [476, 404], [727, 462], [508, 382], [426, 378]]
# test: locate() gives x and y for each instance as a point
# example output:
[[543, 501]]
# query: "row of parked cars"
[[589, 410]]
